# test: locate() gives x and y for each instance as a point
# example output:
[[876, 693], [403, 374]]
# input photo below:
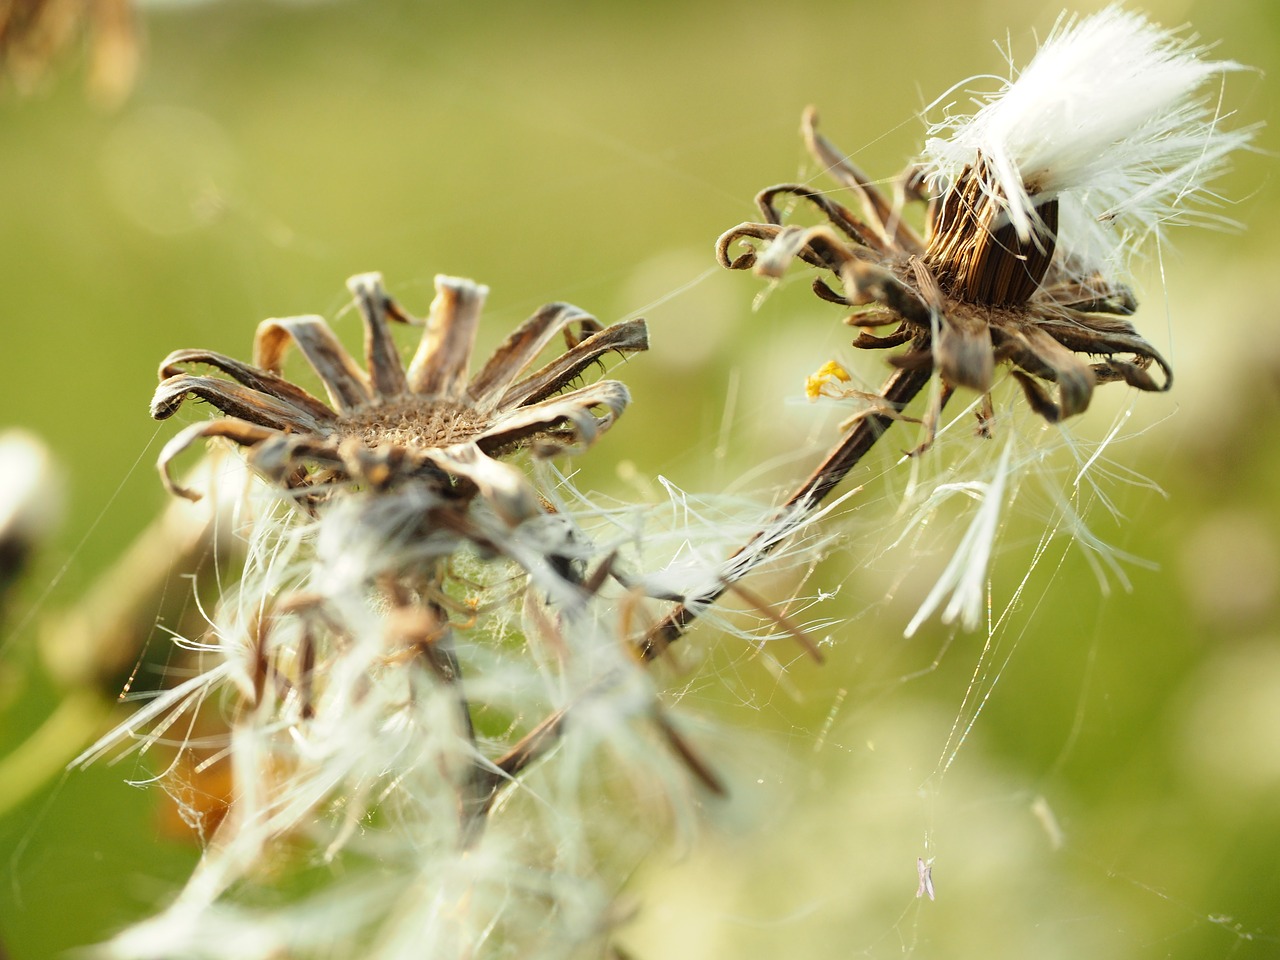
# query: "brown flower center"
[[415, 422], [976, 253]]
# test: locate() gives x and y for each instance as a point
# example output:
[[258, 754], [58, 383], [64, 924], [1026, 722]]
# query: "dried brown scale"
[[976, 253], [839, 215]]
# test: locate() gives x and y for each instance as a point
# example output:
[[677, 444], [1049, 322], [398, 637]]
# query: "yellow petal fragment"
[[828, 372]]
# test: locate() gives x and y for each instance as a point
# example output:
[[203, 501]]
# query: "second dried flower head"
[[1034, 202]]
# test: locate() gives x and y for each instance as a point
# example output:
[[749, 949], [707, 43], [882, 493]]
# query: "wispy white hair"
[[1110, 118]]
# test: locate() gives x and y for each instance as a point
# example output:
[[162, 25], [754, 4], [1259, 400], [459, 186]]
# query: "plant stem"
[[897, 391], [46, 752]]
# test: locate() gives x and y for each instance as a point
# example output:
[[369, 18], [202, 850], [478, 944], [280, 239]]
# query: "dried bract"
[[967, 296], [432, 423]]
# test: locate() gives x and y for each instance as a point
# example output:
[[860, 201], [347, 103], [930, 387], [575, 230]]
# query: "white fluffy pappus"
[[691, 546], [1112, 118], [964, 500], [350, 758]]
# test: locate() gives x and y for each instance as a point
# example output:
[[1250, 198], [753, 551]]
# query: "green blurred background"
[[1119, 795]]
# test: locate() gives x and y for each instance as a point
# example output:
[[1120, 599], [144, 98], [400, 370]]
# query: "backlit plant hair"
[[412, 604], [428, 608]]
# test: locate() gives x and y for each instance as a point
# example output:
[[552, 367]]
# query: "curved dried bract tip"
[[885, 217], [346, 384], [1110, 121], [295, 404], [561, 423], [630, 336], [428, 425], [244, 434], [386, 375], [443, 361], [523, 345]]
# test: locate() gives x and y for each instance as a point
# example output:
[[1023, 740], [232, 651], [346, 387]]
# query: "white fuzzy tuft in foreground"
[[357, 758], [31, 495], [1111, 117]]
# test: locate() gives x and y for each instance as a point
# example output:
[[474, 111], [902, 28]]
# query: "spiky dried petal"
[[343, 380], [630, 336], [443, 360], [386, 372], [255, 378], [516, 354]]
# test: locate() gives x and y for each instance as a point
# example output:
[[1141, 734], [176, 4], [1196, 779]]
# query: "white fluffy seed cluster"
[[1115, 116], [351, 758]]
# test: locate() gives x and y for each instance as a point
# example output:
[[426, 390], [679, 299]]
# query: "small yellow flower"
[[823, 382]]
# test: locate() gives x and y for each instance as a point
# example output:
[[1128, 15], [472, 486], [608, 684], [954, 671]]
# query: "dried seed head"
[[1034, 202], [415, 423], [432, 422]]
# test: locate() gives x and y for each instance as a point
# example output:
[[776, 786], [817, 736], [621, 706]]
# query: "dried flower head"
[[1100, 139], [398, 655], [431, 423]]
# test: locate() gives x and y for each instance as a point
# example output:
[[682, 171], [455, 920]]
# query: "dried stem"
[[898, 391]]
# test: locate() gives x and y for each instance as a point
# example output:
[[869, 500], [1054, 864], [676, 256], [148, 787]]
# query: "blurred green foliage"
[[564, 151]]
